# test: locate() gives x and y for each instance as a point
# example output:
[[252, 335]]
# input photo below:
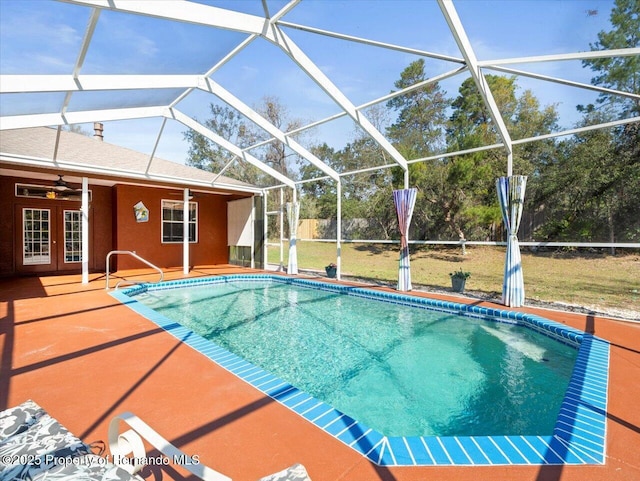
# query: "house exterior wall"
[[113, 226], [7, 232], [101, 215], [146, 237]]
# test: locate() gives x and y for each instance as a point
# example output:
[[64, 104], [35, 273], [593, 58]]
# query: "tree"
[[530, 120], [275, 154], [593, 188], [626, 220], [319, 197], [466, 197], [419, 128], [77, 129], [231, 125], [363, 194], [418, 132], [619, 73], [207, 155], [593, 192]]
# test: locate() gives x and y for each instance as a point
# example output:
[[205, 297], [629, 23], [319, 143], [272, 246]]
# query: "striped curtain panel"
[[293, 213], [405, 201], [511, 197]]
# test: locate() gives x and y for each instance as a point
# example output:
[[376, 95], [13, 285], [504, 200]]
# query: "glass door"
[[49, 239], [72, 236], [36, 237]]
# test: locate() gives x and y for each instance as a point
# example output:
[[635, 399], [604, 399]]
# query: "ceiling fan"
[[61, 185]]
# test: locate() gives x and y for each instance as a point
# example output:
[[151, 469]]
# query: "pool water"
[[403, 371]]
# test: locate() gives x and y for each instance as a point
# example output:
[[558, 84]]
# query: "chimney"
[[97, 131]]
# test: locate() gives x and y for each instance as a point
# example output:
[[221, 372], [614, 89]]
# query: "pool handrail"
[[133, 254]]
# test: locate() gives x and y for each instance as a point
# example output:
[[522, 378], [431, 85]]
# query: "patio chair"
[[35, 446]]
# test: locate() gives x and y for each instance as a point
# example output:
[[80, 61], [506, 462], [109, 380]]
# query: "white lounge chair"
[[35, 446]]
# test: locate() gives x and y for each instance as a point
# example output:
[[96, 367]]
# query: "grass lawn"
[[588, 279]]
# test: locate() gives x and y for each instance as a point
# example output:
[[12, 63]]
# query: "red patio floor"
[[85, 357]]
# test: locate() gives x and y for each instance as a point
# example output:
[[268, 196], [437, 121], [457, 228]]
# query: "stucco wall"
[[114, 227], [101, 215], [146, 237]]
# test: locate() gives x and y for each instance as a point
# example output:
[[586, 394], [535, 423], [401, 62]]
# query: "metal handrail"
[[127, 281], [133, 254]]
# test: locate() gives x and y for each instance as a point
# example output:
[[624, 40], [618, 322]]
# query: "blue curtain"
[[293, 213], [511, 196], [405, 201]]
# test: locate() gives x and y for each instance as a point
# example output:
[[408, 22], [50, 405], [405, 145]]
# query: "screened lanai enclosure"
[[406, 121]]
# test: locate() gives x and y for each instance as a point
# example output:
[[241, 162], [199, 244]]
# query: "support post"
[[265, 244], [281, 268], [404, 201], [253, 233], [185, 232], [511, 192], [339, 231], [85, 230]]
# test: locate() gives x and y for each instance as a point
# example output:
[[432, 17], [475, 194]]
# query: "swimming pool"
[[449, 420]]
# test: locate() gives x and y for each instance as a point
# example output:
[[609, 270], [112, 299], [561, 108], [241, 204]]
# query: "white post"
[[253, 232], [85, 230], [339, 231], [281, 229], [265, 243], [185, 232]]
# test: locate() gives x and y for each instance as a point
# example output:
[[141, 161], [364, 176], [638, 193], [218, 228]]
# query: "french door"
[[37, 238], [49, 239]]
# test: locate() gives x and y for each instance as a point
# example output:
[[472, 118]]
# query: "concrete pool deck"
[[85, 358]]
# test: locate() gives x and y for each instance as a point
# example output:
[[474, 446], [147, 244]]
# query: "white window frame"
[[64, 229], [178, 207], [40, 259]]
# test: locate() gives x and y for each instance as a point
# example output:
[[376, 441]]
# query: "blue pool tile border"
[[579, 435]]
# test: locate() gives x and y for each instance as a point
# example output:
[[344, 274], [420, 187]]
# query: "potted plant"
[[331, 270], [458, 279]]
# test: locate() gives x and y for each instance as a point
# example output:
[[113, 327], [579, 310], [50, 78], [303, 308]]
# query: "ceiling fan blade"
[[61, 185]]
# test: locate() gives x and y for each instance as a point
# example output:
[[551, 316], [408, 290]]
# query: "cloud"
[[54, 61], [248, 72], [126, 35], [33, 40], [65, 35]]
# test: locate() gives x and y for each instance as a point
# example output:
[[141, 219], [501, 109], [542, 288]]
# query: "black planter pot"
[[457, 284]]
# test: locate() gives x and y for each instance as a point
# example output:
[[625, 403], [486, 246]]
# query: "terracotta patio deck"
[[85, 357]]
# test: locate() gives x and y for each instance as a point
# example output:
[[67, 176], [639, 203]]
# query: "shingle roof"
[[81, 150]]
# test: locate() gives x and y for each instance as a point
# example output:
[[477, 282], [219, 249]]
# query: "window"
[[35, 235], [172, 221], [72, 236]]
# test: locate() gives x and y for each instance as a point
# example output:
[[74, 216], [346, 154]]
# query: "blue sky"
[[44, 36]]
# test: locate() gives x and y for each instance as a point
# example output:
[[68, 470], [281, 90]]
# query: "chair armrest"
[[122, 445]]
